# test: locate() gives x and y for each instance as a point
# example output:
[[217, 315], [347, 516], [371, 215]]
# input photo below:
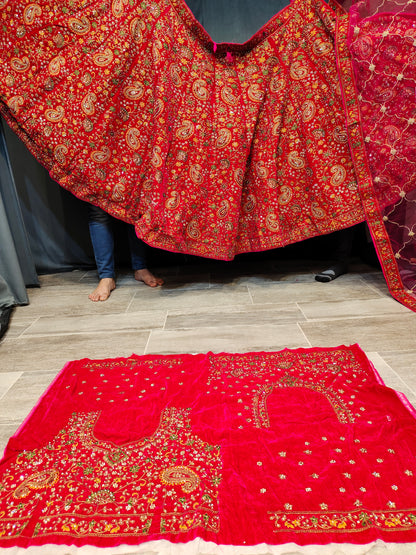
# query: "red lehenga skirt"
[[208, 149]]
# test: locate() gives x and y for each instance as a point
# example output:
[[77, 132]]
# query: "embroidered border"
[[365, 184], [344, 521], [260, 412]]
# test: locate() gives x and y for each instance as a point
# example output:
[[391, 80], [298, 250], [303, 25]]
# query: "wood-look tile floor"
[[209, 306]]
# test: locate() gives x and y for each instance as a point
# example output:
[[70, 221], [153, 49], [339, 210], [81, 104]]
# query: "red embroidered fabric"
[[218, 149], [208, 149], [304, 446]]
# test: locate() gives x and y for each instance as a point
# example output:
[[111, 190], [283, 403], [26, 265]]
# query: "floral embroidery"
[[351, 521], [147, 470], [112, 481], [211, 116]]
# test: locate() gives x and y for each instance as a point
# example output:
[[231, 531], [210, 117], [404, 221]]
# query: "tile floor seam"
[[130, 303], [2, 395], [147, 343], [166, 319], [22, 334], [250, 295], [88, 333], [298, 306], [303, 333], [348, 317], [372, 287]]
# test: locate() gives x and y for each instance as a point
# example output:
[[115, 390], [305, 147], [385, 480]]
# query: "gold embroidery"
[[181, 475], [260, 411], [36, 481]]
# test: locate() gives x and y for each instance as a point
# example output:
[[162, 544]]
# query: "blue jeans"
[[102, 238]]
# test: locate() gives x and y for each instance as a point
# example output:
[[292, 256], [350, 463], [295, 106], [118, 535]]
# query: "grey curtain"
[[55, 220], [16, 263], [234, 20]]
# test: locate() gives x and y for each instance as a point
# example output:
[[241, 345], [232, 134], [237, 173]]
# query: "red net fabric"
[[382, 42]]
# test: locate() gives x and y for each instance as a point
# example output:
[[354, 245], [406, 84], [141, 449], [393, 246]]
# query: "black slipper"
[[332, 273]]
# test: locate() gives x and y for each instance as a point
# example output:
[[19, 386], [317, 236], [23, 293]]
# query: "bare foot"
[[103, 290], [147, 277]]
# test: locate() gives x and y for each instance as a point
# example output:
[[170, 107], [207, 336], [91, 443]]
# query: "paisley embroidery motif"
[[228, 96], [80, 26], [254, 93], [175, 74], [295, 160], [133, 138], [339, 175], [181, 475], [200, 90], [195, 172], [101, 156], [156, 159], [277, 84], [340, 135], [156, 48], [298, 71], [250, 204], [56, 64], [321, 47], [261, 170], [15, 103], [159, 107], [224, 209], [87, 104], [20, 64], [224, 138], [392, 133], [59, 153], [37, 481], [317, 211], [136, 28], [103, 59], [118, 192], [272, 223], [186, 130], [134, 91], [308, 110], [239, 176], [285, 195], [9, 80], [193, 230], [173, 201], [29, 13], [55, 115], [117, 7]]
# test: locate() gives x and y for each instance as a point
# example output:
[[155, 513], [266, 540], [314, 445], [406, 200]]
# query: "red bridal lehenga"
[[219, 149]]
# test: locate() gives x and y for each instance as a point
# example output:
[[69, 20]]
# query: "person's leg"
[[102, 239], [138, 260], [343, 248]]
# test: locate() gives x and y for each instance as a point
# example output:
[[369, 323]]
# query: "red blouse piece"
[[304, 446]]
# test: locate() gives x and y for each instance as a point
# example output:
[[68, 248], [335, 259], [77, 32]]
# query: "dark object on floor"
[[5, 314], [332, 273]]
